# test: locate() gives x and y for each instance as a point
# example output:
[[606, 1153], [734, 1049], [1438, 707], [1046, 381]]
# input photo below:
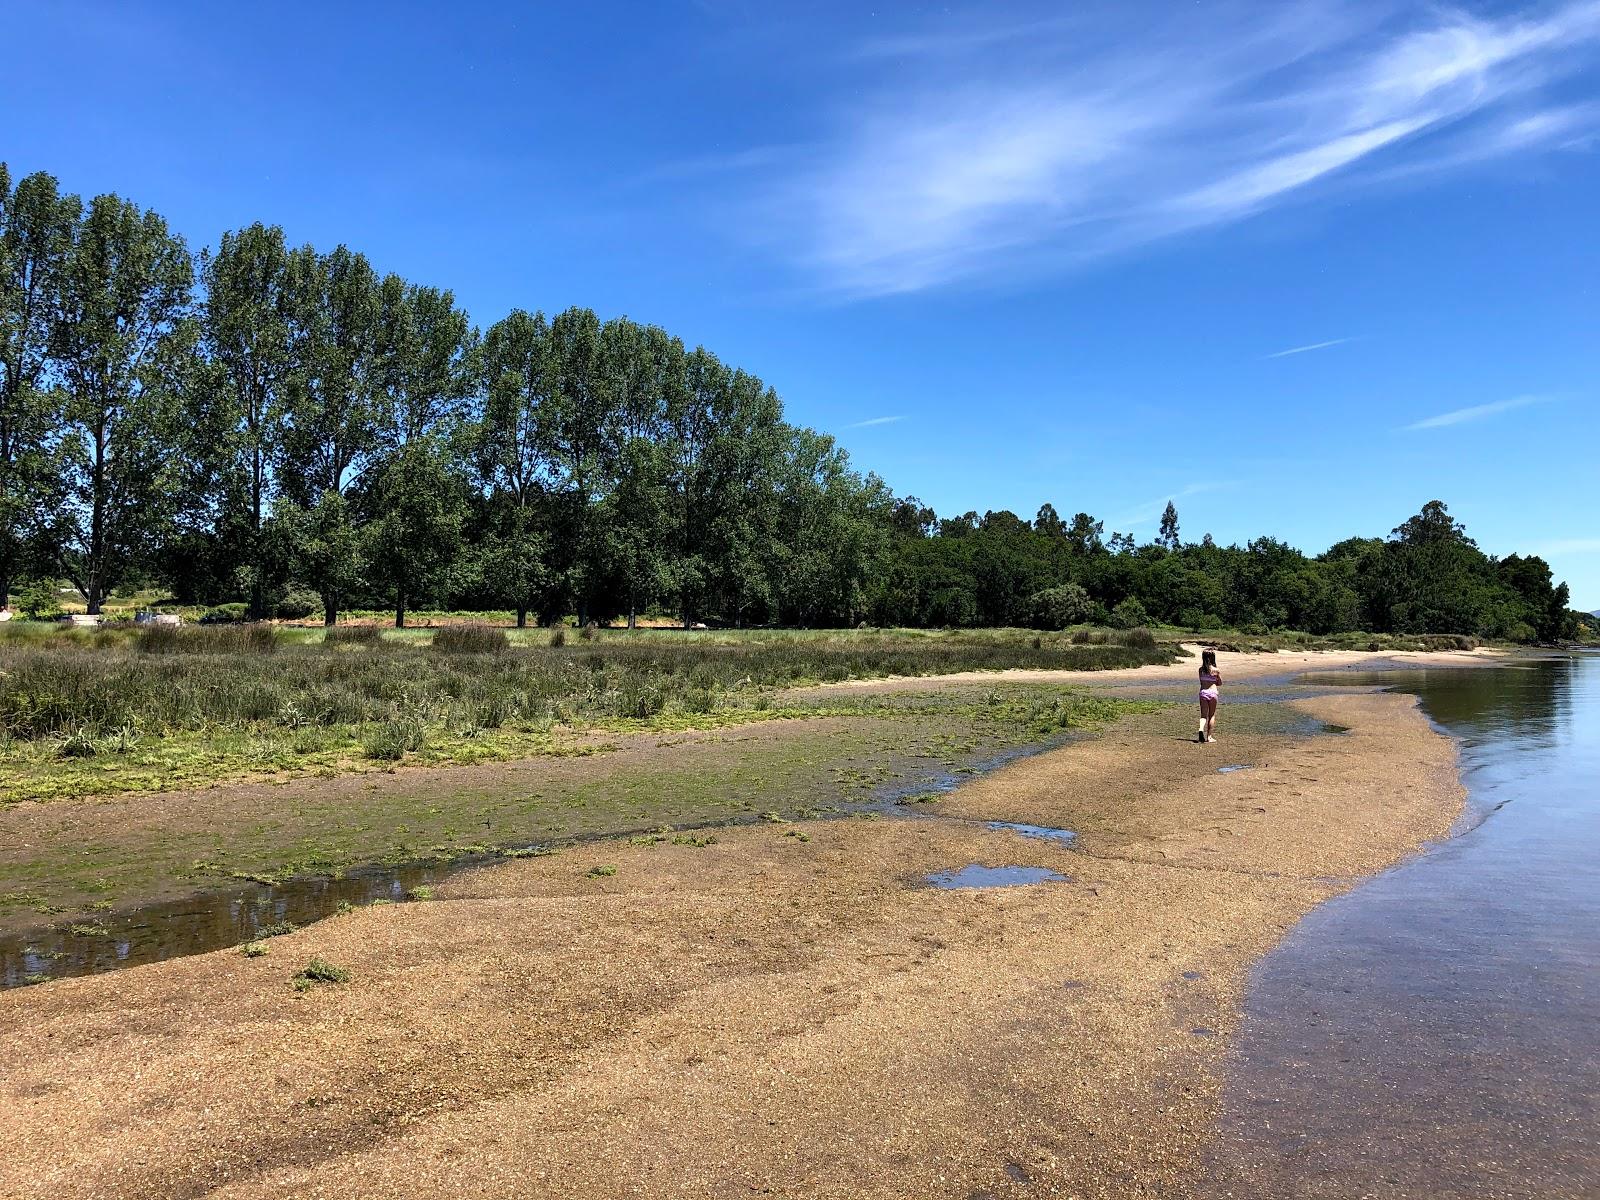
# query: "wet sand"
[[768, 1015]]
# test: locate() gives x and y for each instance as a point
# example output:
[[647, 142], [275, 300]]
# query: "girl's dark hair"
[[1208, 658]]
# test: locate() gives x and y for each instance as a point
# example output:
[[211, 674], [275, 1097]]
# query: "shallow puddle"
[[1044, 833], [1231, 770], [975, 875], [209, 921]]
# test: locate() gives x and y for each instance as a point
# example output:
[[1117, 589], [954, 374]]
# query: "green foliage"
[[246, 335], [40, 599], [1058, 607], [297, 603], [416, 538], [122, 349], [393, 740], [1129, 614], [325, 543], [36, 228], [319, 970]]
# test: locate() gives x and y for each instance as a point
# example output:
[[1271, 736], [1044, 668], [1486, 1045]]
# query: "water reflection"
[[976, 875], [200, 923], [1437, 1031]]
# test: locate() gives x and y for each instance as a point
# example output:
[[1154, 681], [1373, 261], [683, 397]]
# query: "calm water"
[[1436, 1032]]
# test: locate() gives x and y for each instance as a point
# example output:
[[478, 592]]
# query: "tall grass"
[[220, 679], [353, 635], [470, 639], [206, 639]]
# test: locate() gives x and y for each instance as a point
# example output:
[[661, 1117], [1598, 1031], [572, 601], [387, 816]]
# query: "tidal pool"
[[1043, 833], [976, 875]]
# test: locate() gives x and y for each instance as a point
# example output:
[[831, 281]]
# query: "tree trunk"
[[330, 612], [5, 590], [522, 617], [400, 611]]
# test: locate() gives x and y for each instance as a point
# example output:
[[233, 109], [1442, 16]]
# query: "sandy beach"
[[791, 1011]]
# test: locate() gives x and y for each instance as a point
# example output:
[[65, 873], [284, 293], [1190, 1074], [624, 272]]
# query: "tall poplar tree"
[[424, 378], [36, 224], [519, 380], [578, 433], [245, 328], [123, 344], [331, 427]]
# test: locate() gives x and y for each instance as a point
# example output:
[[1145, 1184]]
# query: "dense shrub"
[[40, 600], [1058, 607], [298, 603], [1129, 614]]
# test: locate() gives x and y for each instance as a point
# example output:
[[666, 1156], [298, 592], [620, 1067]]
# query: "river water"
[[1436, 1031]]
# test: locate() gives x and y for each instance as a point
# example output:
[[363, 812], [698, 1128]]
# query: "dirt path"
[[769, 1015]]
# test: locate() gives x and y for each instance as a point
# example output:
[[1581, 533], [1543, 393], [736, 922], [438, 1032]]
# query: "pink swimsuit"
[[1208, 685]]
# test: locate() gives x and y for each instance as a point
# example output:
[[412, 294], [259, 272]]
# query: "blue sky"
[[1299, 267]]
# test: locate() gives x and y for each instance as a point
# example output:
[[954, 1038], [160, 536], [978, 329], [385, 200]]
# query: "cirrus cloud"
[[989, 152]]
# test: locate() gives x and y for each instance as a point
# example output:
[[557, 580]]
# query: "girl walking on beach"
[[1210, 681]]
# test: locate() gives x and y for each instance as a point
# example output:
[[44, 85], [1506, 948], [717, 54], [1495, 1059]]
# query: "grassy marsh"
[[125, 710], [64, 861]]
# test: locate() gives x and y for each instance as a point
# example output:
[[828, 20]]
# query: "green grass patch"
[[316, 971]]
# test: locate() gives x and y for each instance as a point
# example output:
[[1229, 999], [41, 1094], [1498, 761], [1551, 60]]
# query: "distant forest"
[[285, 429]]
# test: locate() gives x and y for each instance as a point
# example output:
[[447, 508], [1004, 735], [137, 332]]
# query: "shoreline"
[[792, 1012]]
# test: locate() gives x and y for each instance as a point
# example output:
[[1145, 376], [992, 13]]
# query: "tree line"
[[286, 428]]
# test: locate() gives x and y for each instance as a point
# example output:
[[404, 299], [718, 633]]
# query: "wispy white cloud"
[[871, 421], [1476, 412], [984, 154], [1313, 346]]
